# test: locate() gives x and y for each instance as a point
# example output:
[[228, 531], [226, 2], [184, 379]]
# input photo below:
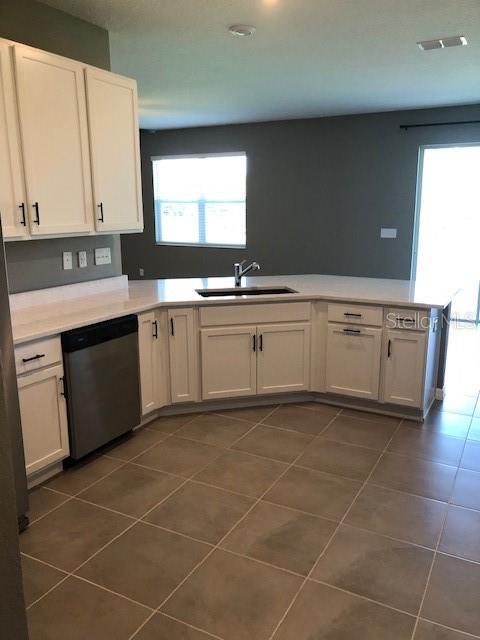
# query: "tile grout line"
[[187, 624], [69, 497], [217, 546], [443, 626], [279, 624], [440, 535]]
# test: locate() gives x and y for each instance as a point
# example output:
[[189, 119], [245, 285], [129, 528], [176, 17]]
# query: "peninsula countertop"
[[48, 312]]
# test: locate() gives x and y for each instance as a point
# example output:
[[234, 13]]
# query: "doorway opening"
[[447, 237], [446, 248]]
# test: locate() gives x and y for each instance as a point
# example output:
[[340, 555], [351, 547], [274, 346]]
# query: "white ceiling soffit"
[[307, 58]]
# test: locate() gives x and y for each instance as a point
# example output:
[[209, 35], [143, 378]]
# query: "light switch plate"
[[103, 256], [82, 259], [388, 233], [67, 260]]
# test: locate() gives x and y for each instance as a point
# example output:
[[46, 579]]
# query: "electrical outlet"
[[103, 256], [67, 260], [82, 259], [388, 233]]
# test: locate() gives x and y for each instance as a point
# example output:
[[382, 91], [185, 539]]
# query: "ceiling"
[[308, 57]]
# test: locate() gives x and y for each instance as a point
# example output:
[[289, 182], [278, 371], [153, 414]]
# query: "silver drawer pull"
[[37, 357], [353, 315], [352, 331]]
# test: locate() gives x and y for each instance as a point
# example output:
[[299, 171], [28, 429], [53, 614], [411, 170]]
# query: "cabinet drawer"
[[355, 314], [418, 319], [38, 354], [254, 313]]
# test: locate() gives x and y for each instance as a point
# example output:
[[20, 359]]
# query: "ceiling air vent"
[[443, 43]]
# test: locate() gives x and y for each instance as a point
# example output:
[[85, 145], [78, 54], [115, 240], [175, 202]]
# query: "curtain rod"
[[405, 127]]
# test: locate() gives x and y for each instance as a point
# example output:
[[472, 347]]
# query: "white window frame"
[[201, 156]]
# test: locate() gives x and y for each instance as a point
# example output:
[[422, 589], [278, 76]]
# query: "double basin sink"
[[244, 291]]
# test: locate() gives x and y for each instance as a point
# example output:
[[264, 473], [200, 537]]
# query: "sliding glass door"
[[448, 224]]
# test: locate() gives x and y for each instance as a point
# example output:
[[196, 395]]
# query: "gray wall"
[[41, 26], [38, 263], [318, 192]]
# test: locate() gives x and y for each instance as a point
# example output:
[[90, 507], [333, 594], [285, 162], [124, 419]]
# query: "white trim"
[[185, 156], [418, 195]]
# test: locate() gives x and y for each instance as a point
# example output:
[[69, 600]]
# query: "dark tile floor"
[[285, 523]]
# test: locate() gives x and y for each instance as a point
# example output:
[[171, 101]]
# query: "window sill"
[[197, 245]]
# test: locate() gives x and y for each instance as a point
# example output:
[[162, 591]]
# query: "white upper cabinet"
[[405, 367], [353, 360], [12, 192], [53, 125], [283, 358], [115, 151]]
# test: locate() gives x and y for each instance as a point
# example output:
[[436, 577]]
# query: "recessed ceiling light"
[[443, 43], [242, 30]]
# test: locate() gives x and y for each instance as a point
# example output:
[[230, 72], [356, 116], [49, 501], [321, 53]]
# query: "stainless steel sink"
[[244, 291]]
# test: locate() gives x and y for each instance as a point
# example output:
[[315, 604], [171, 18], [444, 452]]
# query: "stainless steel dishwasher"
[[102, 385]]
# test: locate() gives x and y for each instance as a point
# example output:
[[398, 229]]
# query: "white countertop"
[[48, 312]]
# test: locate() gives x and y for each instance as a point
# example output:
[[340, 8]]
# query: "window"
[[200, 200]]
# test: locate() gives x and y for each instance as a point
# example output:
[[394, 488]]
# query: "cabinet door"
[[283, 360], [228, 362], [115, 150], [405, 367], [12, 192], [53, 125], [147, 340], [183, 355], [153, 353], [44, 418], [353, 361]]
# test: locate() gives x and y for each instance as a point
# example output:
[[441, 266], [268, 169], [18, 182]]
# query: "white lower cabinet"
[[405, 367], [152, 348], [283, 362], [248, 360], [353, 360], [183, 349], [44, 418], [229, 363]]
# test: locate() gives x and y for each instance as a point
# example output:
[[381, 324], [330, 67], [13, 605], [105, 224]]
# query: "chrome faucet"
[[240, 271]]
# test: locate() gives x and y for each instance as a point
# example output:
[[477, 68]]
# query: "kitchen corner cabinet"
[[53, 124], [115, 149], [183, 348], [152, 355], [405, 367], [353, 360], [44, 418], [12, 190]]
